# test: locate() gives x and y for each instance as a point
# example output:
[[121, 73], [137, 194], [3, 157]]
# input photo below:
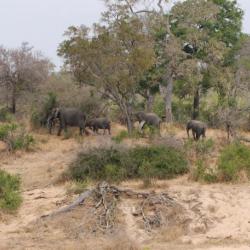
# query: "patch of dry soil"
[[218, 214]]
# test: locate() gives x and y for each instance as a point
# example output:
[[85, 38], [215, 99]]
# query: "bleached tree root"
[[82, 197], [106, 198]]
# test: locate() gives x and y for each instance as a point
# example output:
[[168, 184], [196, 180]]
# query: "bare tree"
[[22, 69]]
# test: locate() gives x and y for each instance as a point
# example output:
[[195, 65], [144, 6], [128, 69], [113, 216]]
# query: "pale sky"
[[43, 22]]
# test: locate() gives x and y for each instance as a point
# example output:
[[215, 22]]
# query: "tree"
[[212, 30], [114, 60], [22, 69]]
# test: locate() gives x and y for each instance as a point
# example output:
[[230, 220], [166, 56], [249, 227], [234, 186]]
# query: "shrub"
[[5, 115], [165, 162], [203, 173], [234, 159], [121, 136], [117, 164], [15, 137], [10, 198], [201, 147], [40, 115]]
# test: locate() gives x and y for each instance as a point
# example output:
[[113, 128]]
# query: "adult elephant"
[[67, 117], [150, 119]]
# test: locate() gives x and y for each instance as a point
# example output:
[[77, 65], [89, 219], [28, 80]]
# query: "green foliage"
[[15, 137], [148, 131], [203, 173], [10, 198], [6, 130], [40, 115], [159, 106], [146, 173], [201, 147], [22, 141], [234, 159], [136, 134], [117, 164], [121, 136], [5, 115]]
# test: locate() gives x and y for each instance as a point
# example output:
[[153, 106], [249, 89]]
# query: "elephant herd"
[[74, 117]]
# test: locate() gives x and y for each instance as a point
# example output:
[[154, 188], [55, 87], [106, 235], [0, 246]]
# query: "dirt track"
[[219, 214]]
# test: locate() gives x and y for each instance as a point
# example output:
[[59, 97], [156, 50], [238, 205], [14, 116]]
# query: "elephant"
[[198, 129], [67, 117], [99, 123], [150, 119]]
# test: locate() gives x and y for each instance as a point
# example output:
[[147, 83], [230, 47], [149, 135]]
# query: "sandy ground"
[[218, 214]]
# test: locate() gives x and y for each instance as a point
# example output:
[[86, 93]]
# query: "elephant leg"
[[194, 134], [59, 131], [104, 130], [81, 130], [188, 132], [204, 133], [65, 129], [141, 124]]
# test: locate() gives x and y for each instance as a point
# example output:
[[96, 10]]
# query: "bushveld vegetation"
[[116, 164], [234, 162], [188, 63], [15, 137], [10, 198]]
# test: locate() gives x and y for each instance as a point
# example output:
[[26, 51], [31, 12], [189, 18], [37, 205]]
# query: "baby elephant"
[[198, 129], [99, 123]]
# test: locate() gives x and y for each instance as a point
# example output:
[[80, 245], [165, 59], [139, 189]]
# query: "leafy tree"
[[113, 60], [212, 29]]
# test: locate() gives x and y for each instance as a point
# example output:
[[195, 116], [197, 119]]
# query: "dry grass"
[[122, 242], [167, 234]]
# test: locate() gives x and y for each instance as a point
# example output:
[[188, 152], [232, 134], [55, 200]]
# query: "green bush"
[[5, 115], [203, 173], [234, 159], [117, 164], [201, 147], [136, 134], [121, 136], [15, 137], [10, 198], [6, 130], [22, 141], [40, 114]]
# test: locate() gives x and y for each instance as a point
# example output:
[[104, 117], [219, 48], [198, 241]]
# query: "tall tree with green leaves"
[[113, 60], [212, 30]]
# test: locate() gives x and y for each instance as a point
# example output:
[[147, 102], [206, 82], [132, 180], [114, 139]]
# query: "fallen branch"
[[82, 197]]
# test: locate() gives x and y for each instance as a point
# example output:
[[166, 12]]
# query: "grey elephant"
[[150, 119], [99, 123], [67, 117], [198, 129]]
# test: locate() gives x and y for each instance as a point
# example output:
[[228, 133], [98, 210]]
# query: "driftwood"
[[82, 197], [106, 197]]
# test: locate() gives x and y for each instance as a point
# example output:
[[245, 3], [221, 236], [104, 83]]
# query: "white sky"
[[43, 22]]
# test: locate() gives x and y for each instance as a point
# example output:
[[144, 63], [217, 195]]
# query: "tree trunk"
[[149, 101], [13, 99], [168, 99], [196, 105], [127, 111]]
